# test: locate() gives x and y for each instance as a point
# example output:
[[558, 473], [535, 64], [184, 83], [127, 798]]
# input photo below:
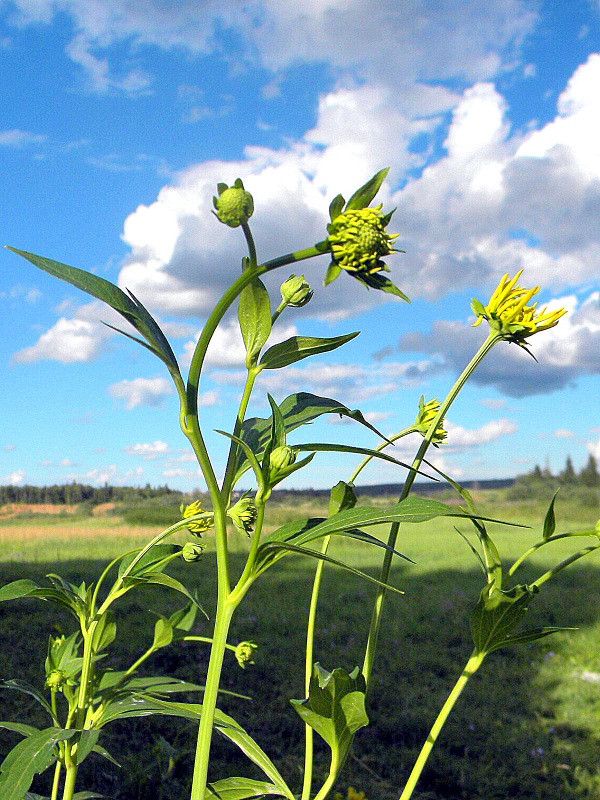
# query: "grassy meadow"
[[527, 726]]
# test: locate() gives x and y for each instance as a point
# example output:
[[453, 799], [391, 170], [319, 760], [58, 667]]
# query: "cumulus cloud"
[[149, 451], [569, 350], [460, 438], [13, 479], [594, 449], [141, 392]]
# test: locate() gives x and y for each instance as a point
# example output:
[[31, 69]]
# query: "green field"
[[528, 725]]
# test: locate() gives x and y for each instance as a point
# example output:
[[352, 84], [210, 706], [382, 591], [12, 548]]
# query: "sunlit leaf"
[[363, 196], [29, 757], [254, 315], [297, 348]]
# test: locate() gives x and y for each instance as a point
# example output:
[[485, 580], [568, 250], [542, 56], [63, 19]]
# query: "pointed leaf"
[[87, 741], [363, 196], [379, 282], [333, 272], [336, 206], [17, 589], [550, 519], [149, 560], [163, 633], [19, 727], [161, 579], [341, 497], [335, 708], [240, 789], [254, 315], [102, 751], [324, 447], [105, 632], [32, 755], [297, 348], [26, 688], [532, 635], [497, 613]]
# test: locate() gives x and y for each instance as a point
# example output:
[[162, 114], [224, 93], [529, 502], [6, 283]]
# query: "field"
[[528, 725]]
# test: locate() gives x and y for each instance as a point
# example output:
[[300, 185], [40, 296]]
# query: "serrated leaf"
[[240, 789], [497, 613], [296, 348], [127, 306], [363, 196], [335, 708], [31, 756], [550, 519], [254, 315], [26, 688]]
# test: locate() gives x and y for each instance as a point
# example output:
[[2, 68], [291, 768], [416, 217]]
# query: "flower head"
[[197, 526], [508, 312], [243, 515], [244, 652], [234, 205], [427, 413], [358, 240], [279, 459], [56, 679]]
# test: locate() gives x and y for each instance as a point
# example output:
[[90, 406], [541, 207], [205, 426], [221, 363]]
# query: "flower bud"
[[243, 515], [192, 551], [244, 652], [280, 458], [56, 679], [296, 292], [234, 205], [426, 415], [197, 526]]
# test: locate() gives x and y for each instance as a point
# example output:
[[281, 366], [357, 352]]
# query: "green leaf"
[[105, 632], [254, 314], [31, 756], [477, 308], [497, 613], [341, 497], [87, 741], [102, 751], [161, 579], [336, 206], [283, 548], [183, 619], [163, 633], [299, 347], [240, 789], [335, 708], [532, 634], [127, 306], [19, 727], [17, 589], [460, 490], [26, 688], [550, 519], [297, 409], [324, 447], [379, 282], [333, 272], [363, 196]]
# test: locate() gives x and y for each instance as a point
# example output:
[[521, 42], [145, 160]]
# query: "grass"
[[527, 726]]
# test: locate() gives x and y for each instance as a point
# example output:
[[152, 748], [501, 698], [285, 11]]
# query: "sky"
[[119, 118]]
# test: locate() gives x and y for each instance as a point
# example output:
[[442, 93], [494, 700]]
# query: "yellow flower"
[[354, 795], [508, 312], [426, 415], [197, 526]]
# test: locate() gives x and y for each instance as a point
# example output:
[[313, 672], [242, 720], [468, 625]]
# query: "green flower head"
[[192, 551], [244, 652], [243, 515], [280, 458], [234, 205], [56, 679], [358, 240]]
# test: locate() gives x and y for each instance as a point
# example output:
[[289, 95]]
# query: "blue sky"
[[119, 118]]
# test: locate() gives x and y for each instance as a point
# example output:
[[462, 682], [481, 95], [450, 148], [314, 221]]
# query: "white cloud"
[[149, 451], [141, 392], [562, 433], [460, 438], [13, 479], [226, 349], [594, 449], [19, 138]]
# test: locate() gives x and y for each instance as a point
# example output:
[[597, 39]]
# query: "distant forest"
[[77, 493]]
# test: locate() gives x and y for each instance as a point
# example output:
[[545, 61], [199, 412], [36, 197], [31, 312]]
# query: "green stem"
[[328, 785], [540, 544], [55, 781], [233, 448], [485, 348], [378, 449], [70, 779], [308, 664], [245, 581], [471, 667], [575, 557], [223, 619], [251, 245]]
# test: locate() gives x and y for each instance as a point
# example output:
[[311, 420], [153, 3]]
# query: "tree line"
[[76, 493]]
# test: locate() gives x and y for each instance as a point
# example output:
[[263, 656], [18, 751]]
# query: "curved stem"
[[485, 348], [471, 667], [251, 245], [575, 557], [534, 548], [378, 449]]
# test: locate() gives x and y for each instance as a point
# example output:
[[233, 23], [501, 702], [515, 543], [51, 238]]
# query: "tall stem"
[[223, 619], [485, 348], [471, 667]]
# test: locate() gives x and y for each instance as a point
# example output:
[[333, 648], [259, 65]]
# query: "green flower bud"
[[56, 679], [296, 292], [234, 205], [243, 515], [244, 652], [426, 415], [192, 551], [280, 458], [198, 526]]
